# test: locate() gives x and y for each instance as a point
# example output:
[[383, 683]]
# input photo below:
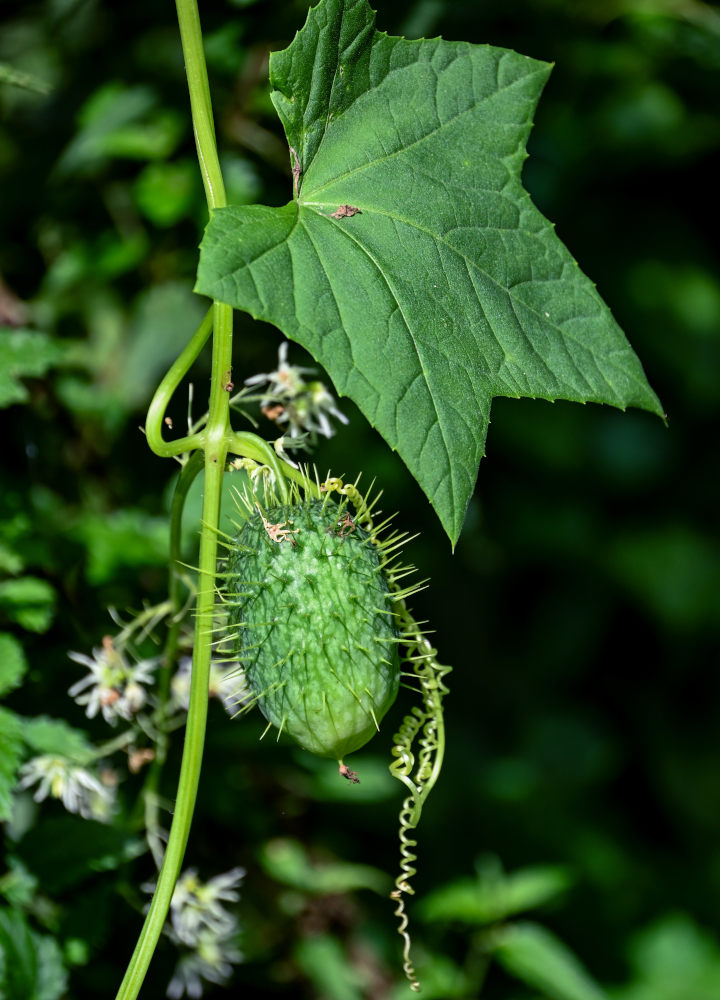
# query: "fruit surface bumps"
[[314, 622]]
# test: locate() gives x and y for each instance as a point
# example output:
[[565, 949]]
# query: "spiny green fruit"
[[310, 604]]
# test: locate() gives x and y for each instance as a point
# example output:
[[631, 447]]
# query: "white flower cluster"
[[227, 682], [78, 789], [304, 408], [199, 921], [113, 686]]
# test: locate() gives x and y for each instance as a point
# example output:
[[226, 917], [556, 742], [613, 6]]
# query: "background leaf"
[[10, 752], [674, 959], [29, 601], [23, 353], [33, 967], [323, 961], [538, 958], [13, 664], [493, 895], [122, 538], [443, 286], [54, 736], [287, 861], [67, 851]]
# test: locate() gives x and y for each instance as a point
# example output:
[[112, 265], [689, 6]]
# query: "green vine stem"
[[148, 800], [214, 440]]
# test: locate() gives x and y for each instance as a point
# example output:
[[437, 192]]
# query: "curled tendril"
[[419, 744], [418, 766]]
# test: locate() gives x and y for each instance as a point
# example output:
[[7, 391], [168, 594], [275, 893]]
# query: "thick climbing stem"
[[197, 711], [200, 105], [148, 801], [214, 440]]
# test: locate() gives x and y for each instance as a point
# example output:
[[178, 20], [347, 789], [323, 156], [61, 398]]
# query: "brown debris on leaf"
[[345, 212]]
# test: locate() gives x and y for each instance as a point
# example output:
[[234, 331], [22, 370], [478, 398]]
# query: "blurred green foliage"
[[580, 607]]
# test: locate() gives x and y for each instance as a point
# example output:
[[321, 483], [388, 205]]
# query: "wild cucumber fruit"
[[311, 611]]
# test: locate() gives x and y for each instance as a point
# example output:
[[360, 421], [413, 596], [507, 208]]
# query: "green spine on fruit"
[[310, 614]]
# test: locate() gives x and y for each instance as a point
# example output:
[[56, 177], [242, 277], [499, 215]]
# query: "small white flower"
[[298, 443], [211, 961], [304, 407], [197, 907], [113, 686], [133, 699], [227, 682], [199, 921], [322, 403], [80, 791], [286, 381]]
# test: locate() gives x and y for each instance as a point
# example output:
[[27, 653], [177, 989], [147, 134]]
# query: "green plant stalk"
[[187, 477], [215, 455], [149, 797], [215, 440]]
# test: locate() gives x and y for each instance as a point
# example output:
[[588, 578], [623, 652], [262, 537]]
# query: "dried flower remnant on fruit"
[[345, 525], [345, 772], [114, 686], [278, 532], [78, 789], [302, 408]]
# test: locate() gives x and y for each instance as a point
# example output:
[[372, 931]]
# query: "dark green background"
[[580, 609]]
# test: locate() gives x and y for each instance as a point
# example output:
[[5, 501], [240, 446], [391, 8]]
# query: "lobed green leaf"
[[412, 263]]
